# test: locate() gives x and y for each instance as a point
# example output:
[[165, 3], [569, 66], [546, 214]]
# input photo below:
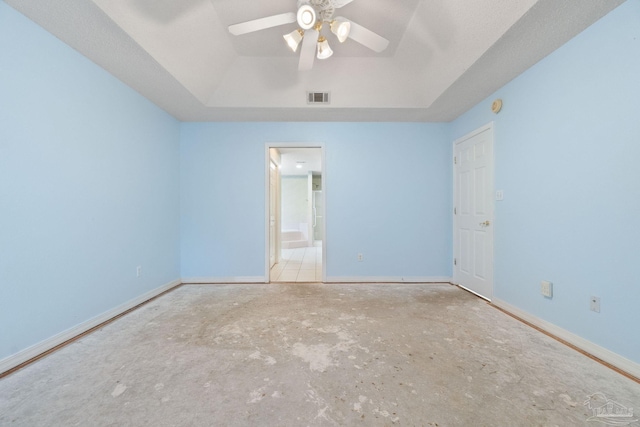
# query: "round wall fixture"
[[496, 106]]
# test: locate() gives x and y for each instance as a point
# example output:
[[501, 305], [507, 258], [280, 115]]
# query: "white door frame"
[[267, 216], [274, 211], [456, 247]]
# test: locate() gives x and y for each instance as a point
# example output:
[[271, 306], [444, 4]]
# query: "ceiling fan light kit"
[[294, 38], [341, 29], [324, 50], [310, 16]]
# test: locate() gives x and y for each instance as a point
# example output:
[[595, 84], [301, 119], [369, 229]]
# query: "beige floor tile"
[[298, 265], [288, 276], [306, 276]]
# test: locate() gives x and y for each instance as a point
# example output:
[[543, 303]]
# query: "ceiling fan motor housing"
[[324, 9], [306, 17]]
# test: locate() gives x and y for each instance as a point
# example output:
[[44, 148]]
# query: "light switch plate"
[[546, 289]]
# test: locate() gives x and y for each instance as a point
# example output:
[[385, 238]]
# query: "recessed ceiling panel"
[[387, 18], [444, 56], [184, 36]]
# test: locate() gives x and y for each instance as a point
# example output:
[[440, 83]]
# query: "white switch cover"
[[499, 194], [546, 288]]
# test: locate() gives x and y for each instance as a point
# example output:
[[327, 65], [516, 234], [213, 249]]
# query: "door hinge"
[[455, 160], [455, 211], [455, 261]]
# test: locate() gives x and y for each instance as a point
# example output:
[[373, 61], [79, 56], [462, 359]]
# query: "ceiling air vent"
[[318, 98]]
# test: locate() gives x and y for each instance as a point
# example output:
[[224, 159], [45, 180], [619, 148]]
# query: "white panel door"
[[473, 212]]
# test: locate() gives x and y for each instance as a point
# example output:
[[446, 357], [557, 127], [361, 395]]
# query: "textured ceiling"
[[444, 56]]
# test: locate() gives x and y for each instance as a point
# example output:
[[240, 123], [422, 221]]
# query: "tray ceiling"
[[444, 56]]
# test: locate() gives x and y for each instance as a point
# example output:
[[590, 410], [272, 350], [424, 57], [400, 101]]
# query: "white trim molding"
[[388, 279], [36, 350], [222, 280], [595, 350]]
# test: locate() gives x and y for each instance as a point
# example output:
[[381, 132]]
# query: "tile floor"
[[299, 265]]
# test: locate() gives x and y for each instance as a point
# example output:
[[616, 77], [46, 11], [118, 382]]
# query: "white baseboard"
[[601, 353], [388, 279], [37, 349], [330, 279], [218, 280]]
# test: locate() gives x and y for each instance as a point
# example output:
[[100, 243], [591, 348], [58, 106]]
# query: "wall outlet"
[[499, 195], [546, 289], [138, 271], [360, 257], [594, 304]]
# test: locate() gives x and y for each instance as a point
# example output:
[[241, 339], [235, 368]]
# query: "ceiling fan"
[[311, 16]]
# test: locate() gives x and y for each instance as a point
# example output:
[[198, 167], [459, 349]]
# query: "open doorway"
[[295, 208]]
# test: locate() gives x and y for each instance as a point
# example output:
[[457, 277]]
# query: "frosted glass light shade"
[[341, 29], [293, 39], [324, 50]]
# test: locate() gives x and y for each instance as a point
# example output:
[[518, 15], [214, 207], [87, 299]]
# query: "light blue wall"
[[567, 150], [89, 185], [388, 196]]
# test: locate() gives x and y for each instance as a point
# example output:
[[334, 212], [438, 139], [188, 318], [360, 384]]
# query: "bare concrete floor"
[[312, 355]]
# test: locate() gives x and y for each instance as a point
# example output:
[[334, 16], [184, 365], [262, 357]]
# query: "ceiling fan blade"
[[262, 23], [340, 3], [366, 37], [308, 50]]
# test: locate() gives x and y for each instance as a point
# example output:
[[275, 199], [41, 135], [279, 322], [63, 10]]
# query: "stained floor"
[[312, 355]]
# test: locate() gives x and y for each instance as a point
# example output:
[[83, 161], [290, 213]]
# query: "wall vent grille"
[[318, 98]]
